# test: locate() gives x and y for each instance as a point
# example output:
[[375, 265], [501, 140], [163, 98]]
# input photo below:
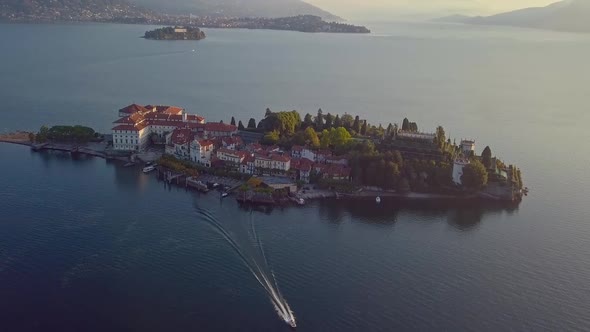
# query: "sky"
[[383, 9]]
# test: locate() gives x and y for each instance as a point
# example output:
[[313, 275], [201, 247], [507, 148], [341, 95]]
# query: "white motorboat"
[[224, 195], [148, 169], [291, 322], [378, 199]]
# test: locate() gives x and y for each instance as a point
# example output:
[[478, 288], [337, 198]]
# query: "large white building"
[[137, 123], [200, 151], [468, 147], [458, 166], [273, 161]]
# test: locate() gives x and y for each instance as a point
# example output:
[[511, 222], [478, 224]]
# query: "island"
[[175, 33], [287, 158]]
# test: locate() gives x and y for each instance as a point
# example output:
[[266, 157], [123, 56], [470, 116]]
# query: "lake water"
[[87, 245]]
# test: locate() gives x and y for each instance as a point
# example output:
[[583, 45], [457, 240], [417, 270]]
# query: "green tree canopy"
[[486, 157], [364, 128], [440, 137], [307, 121], [311, 137], [252, 123], [339, 137], [240, 125], [233, 121], [337, 121], [319, 120], [475, 175], [356, 126], [406, 124], [347, 121], [271, 137], [329, 121]]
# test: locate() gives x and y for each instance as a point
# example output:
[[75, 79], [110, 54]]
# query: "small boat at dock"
[[129, 164], [149, 169], [378, 200]]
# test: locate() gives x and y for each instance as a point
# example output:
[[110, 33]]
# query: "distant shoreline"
[[301, 23]]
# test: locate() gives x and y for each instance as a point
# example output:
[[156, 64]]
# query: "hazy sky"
[[381, 9]]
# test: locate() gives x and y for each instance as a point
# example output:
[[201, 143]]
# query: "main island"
[[285, 158]]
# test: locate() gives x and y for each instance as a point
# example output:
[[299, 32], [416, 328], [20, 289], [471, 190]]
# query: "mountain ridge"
[[238, 8], [568, 16], [138, 10]]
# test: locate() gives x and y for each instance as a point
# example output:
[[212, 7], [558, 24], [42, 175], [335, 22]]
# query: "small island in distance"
[[175, 33]]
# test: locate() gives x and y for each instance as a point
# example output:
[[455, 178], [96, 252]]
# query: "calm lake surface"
[[86, 245]]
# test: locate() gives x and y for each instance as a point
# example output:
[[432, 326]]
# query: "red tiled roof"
[[274, 157], [125, 127], [124, 120], [280, 158], [301, 164], [297, 148], [133, 108], [173, 110], [215, 126], [181, 136], [205, 142]]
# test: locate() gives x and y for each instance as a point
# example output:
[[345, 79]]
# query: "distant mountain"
[[238, 8], [569, 15]]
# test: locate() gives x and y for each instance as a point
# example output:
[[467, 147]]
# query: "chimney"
[[184, 117]]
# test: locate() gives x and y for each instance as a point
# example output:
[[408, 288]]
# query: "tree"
[[240, 125], [356, 126], [233, 121], [337, 121], [307, 121], [389, 130], [486, 157], [347, 121], [312, 137], [440, 137], [339, 137], [267, 113], [326, 139], [271, 137], [252, 123], [329, 121], [319, 120], [364, 128], [406, 124], [475, 175]]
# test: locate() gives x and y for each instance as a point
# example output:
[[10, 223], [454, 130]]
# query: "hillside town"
[[343, 154]]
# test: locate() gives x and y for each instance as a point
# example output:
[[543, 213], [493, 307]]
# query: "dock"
[[192, 182]]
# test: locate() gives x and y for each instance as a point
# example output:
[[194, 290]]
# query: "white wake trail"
[[267, 282]]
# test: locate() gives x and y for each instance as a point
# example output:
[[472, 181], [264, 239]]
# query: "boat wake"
[[258, 268]]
